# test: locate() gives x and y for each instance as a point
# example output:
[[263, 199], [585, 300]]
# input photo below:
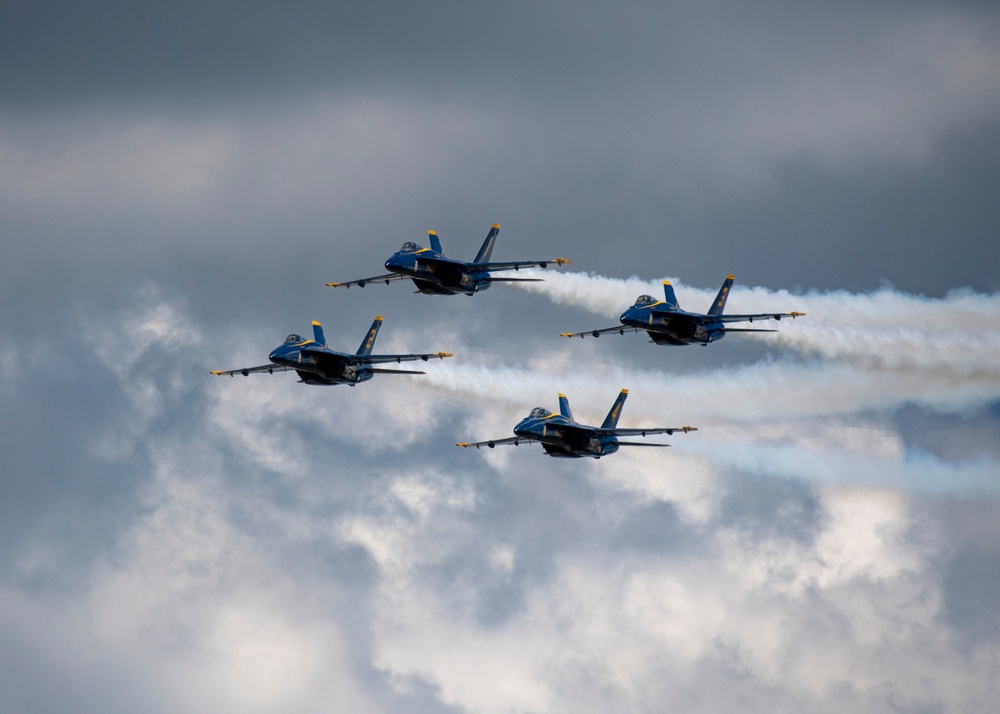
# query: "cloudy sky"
[[178, 181]]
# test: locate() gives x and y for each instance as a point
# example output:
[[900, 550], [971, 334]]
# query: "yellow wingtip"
[[565, 334], [796, 314], [216, 372], [333, 285], [442, 355], [462, 444]]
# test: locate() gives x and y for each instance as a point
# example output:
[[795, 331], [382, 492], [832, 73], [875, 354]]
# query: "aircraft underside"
[[578, 448], [683, 333], [449, 283]]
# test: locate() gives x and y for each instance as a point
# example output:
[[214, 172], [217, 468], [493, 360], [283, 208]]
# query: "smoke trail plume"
[[886, 329]]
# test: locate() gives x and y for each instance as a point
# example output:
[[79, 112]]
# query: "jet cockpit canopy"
[[293, 338], [644, 300], [538, 413], [409, 247]]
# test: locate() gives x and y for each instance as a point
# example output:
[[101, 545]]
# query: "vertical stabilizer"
[[483, 256], [318, 333], [369, 341], [564, 407], [668, 295], [435, 242], [720, 300], [611, 420]]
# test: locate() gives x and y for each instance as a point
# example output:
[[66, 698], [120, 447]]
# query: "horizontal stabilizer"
[[638, 443], [395, 371], [742, 329], [491, 279]]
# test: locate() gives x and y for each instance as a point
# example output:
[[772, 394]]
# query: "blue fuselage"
[[316, 364], [563, 438], [672, 326], [433, 274]]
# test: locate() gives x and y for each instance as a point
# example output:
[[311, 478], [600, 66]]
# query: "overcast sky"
[[178, 181]]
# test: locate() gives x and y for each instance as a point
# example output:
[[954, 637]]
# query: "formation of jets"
[[558, 433]]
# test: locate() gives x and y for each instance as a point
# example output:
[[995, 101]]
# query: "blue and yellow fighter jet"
[[560, 436], [433, 274], [667, 324], [316, 363]]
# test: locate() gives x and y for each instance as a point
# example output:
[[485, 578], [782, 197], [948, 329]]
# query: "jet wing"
[[518, 264], [515, 440], [388, 278], [621, 330], [384, 359], [751, 318], [269, 368], [645, 432]]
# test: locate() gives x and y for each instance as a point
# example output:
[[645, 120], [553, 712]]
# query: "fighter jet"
[[433, 274], [667, 324], [316, 363], [561, 436]]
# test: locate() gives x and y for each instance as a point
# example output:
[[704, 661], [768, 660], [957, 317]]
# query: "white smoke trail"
[[886, 329], [766, 391]]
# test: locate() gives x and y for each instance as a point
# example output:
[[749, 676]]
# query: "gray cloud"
[[179, 183]]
